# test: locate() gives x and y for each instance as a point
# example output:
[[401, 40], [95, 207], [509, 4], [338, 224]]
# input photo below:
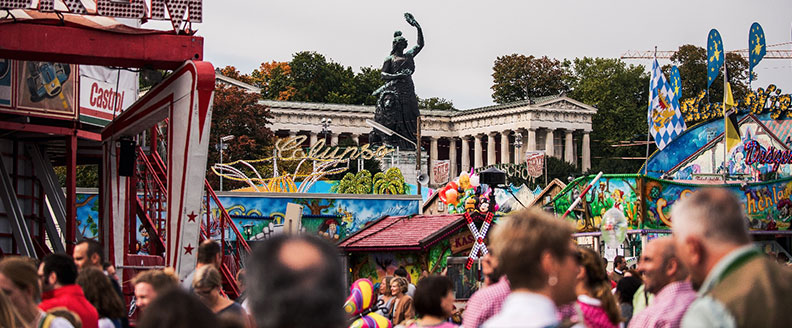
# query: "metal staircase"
[[216, 224]]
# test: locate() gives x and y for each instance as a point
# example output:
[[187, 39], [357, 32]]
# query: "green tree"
[[366, 82], [318, 80], [435, 103], [519, 77], [620, 94], [692, 63], [237, 112], [87, 176], [275, 80]]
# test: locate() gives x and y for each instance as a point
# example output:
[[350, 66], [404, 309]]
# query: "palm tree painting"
[[391, 182]]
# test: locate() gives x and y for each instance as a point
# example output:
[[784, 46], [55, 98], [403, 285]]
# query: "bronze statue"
[[397, 105]]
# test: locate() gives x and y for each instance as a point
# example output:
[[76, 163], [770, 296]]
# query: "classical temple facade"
[[558, 125], [478, 137]]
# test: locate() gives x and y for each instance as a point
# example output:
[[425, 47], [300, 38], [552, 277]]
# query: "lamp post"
[[325, 128], [223, 146], [518, 142]]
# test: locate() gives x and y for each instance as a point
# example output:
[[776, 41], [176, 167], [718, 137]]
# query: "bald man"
[[296, 281], [666, 277], [738, 286]]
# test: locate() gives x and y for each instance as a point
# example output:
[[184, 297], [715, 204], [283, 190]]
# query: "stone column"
[[465, 154], [568, 155], [452, 158], [356, 139], [334, 139], [432, 155], [586, 152], [313, 138], [549, 145], [477, 152], [292, 134], [491, 159], [531, 142], [505, 147]]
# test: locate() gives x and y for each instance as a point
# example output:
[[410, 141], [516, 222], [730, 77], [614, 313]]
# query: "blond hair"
[[519, 241], [402, 282], [160, 280], [9, 317], [207, 277]]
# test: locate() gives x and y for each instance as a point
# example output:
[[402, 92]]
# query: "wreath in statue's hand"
[[411, 20]]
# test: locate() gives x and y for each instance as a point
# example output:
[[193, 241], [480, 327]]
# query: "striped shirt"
[[667, 307]]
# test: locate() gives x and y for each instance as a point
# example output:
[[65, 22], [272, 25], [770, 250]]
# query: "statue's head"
[[399, 42]]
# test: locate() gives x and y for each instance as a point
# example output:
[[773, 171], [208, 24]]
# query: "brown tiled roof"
[[403, 233]]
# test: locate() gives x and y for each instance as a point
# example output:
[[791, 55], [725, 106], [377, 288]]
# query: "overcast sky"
[[463, 38]]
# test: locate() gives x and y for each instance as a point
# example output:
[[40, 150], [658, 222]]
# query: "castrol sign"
[[105, 93]]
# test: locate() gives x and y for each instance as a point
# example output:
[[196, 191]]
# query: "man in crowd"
[[738, 286], [402, 272], [296, 282], [619, 265], [57, 275], [209, 253], [88, 254], [666, 277], [487, 302], [149, 284]]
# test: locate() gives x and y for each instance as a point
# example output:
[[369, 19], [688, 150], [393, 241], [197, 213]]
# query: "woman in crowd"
[[534, 250], [434, 302], [625, 291], [207, 284], [386, 297], [9, 317], [19, 280], [594, 292], [99, 291], [402, 308]]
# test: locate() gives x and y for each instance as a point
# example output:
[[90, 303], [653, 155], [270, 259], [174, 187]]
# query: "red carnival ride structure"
[[167, 129]]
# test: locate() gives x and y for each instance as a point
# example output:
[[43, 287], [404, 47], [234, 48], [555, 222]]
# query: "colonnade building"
[[472, 138]]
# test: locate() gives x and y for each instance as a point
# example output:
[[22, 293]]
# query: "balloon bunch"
[[466, 194], [361, 304]]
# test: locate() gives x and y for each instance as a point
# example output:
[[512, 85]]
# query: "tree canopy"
[[519, 77], [620, 94]]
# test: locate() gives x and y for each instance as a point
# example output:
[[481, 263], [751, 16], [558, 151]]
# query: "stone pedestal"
[[405, 161]]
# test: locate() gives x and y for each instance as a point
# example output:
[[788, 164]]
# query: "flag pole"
[[725, 127], [648, 120]]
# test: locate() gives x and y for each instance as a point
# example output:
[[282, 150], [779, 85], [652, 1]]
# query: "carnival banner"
[[105, 93], [440, 172], [757, 47], [5, 82], [715, 56], [534, 161], [45, 89], [768, 205], [665, 120]]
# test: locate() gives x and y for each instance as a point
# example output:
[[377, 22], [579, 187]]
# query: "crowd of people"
[[706, 274]]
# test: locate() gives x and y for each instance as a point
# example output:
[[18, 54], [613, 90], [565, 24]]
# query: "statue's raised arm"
[[420, 43]]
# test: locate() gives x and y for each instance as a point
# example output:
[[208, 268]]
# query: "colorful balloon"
[[474, 181], [464, 180], [361, 297], [451, 196]]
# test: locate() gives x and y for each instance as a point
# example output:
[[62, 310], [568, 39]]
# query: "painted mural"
[[88, 215], [258, 217], [376, 266], [768, 205]]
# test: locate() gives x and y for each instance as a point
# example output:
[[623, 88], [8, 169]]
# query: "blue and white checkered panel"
[[676, 124]]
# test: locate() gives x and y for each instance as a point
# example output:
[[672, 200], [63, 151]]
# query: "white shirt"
[[524, 309]]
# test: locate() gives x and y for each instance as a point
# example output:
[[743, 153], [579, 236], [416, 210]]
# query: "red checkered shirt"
[[667, 307], [485, 303]]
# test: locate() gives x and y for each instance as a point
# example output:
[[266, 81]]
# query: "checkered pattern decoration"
[[665, 119], [479, 235], [781, 128]]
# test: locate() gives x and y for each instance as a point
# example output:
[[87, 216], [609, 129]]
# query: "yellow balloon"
[[464, 180]]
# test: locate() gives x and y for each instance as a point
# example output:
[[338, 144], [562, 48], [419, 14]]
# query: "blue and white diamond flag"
[[665, 119]]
